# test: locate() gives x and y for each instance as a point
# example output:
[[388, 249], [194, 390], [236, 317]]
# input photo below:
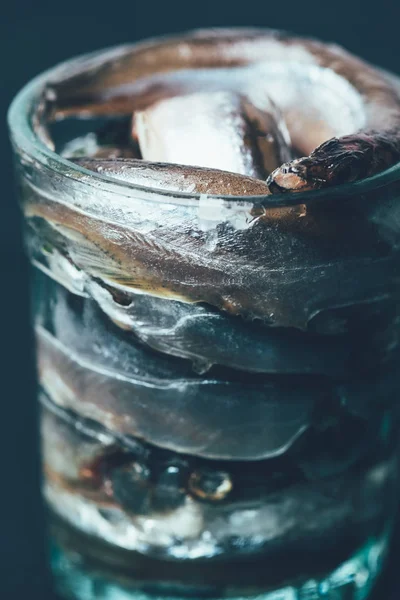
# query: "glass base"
[[352, 580]]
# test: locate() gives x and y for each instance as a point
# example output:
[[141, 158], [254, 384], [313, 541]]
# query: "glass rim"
[[25, 139]]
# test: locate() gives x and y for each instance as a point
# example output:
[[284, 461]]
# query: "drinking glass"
[[218, 381]]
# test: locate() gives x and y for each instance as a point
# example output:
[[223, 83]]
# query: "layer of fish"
[[357, 339], [145, 479], [96, 74], [208, 337], [286, 521], [314, 103], [120, 79], [242, 257], [197, 510], [345, 95], [210, 418], [177, 178], [155, 483], [219, 130], [90, 366]]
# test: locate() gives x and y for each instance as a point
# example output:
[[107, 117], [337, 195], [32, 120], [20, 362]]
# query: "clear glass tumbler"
[[188, 451]]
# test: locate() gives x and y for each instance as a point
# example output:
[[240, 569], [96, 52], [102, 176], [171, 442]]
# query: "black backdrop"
[[34, 35]]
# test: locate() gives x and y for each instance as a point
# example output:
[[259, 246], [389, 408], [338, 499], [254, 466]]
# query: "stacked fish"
[[217, 360]]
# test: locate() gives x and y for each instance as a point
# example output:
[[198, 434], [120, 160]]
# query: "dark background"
[[33, 37]]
